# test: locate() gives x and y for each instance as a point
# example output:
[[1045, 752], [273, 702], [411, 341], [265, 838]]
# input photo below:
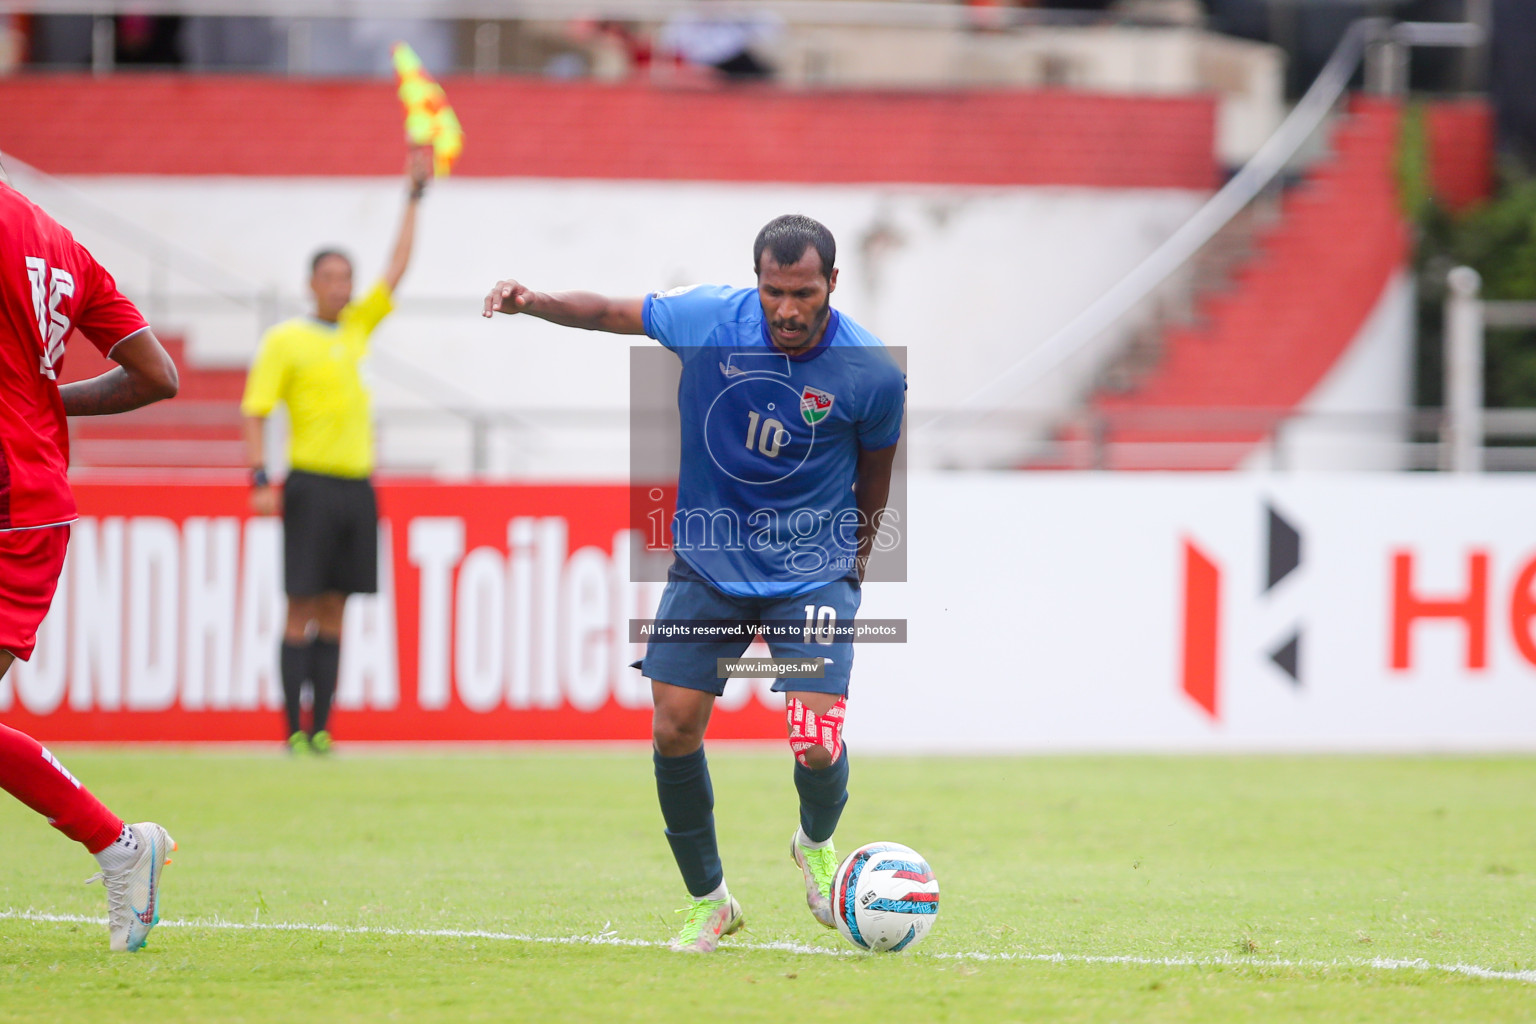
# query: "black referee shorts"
[[330, 535]]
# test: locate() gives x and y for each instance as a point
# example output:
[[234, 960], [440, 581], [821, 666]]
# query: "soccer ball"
[[884, 897]]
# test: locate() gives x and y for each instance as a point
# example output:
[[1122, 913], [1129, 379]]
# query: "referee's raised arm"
[[419, 169], [586, 310]]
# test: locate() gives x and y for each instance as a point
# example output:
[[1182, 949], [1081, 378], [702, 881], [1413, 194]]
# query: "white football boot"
[[133, 894]]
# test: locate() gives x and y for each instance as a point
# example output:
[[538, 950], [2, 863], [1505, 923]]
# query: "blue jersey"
[[770, 441]]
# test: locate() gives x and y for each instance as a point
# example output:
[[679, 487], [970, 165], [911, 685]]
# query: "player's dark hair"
[[788, 237], [314, 261]]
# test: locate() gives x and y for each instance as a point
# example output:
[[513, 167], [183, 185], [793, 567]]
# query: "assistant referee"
[[330, 517]]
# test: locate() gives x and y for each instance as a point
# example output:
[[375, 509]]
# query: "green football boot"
[[706, 922], [817, 867]]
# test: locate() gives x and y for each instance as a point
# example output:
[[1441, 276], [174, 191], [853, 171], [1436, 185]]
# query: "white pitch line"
[[608, 938]]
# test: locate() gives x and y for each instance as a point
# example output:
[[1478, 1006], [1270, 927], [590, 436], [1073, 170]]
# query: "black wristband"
[[259, 478], [417, 191]]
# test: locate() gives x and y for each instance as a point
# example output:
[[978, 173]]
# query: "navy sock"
[[294, 665], [823, 795], [688, 807], [325, 662]]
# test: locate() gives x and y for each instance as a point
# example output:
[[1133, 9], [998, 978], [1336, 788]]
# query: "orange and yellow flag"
[[429, 120]]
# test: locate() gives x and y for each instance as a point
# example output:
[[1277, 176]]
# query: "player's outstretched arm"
[[419, 171], [144, 373], [586, 310], [871, 491]]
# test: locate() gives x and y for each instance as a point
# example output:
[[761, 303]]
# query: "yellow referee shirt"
[[313, 368]]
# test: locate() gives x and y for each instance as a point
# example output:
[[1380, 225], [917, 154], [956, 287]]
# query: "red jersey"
[[49, 285]]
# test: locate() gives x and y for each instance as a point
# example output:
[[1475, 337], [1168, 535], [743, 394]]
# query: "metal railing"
[[1467, 423], [592, 443], [1276, 439]]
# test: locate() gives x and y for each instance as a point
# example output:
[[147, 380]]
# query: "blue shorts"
[[689, 597]]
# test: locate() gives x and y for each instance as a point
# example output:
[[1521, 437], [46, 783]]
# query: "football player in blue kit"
[[790, 415]]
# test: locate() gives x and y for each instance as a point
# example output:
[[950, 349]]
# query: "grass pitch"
[[437, 887]]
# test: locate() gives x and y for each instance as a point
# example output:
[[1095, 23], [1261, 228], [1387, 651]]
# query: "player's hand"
[[507, 297], [264, 501]]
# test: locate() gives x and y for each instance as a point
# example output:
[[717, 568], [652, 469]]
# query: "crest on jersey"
[[815, 404]]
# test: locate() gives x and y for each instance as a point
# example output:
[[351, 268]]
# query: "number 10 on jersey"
[[770, 439]]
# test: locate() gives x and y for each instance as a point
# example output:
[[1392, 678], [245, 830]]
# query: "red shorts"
[[30, 563]]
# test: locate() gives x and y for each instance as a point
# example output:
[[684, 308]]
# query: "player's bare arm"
[[144, 373], [586, 310], [871, 491], [419, 171]]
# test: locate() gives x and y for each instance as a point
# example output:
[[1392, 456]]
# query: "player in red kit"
[[49, 286]]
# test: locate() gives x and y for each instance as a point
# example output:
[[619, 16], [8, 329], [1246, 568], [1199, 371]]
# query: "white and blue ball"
[[884, 897]]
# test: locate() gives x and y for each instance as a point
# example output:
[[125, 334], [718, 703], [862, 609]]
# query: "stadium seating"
[[1461, 145], [1257, 348], [279, 127]]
